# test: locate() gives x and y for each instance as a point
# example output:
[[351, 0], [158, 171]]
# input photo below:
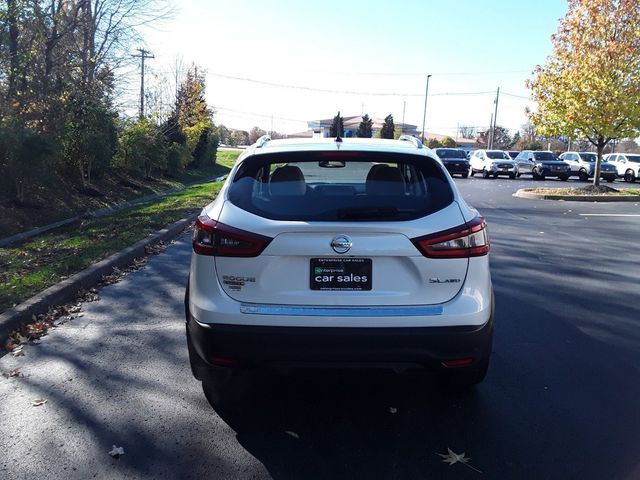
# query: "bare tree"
[[110, 28], [467, 131]]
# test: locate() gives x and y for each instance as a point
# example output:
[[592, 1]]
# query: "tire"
[[536, 175], [472, 172], [519, 175], [512, 176], [564, 178], [583, 175], [495, 175], [465, 175], [610, 179], [485, 174], [629, 177]]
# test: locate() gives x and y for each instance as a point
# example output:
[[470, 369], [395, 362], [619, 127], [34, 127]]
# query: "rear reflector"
[[215, 238], [458, 362], [464, 241], [229, 362]]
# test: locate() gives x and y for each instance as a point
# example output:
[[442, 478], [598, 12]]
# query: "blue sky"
[[360, 47]]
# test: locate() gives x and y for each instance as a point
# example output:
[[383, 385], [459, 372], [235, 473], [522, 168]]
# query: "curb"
[[105, 211], [577, 198], [66, 290]]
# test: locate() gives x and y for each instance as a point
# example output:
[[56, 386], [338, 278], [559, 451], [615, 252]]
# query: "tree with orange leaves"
[[590, 85]]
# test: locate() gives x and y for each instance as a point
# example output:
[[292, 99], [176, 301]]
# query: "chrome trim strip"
[[320, 311]]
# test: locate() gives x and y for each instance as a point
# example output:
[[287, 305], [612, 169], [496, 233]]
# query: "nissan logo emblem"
[[341, 244]]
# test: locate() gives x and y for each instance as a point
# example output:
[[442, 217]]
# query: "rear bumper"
[[257, 346], [548, 172], [457, 168]]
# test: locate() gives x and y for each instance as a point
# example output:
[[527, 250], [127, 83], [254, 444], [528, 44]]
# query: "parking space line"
[[609, 214]]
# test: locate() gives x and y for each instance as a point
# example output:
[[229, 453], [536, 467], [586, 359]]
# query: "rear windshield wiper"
[[353, 213]]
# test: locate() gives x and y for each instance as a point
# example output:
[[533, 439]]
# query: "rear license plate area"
[[340, 273]]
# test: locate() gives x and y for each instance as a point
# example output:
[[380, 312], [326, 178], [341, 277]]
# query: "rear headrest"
[[385, 180], [287, 180]]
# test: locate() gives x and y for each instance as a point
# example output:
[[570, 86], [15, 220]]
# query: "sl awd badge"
[[341, 244]]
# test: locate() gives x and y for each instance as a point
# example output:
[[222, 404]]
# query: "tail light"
[[464, 241], [215, 238]]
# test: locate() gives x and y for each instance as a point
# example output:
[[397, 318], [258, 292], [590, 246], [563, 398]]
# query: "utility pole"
[[495, 118], [404, 107], [424, 116], [144, 54], [490, 133]]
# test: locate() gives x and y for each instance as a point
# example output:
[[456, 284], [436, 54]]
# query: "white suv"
[[627, 165], [492, 163], [341, 253]]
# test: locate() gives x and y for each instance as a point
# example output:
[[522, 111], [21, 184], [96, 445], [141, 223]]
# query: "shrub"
[[23, 158]]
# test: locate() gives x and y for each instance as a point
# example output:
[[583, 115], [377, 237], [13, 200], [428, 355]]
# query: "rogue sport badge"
[[341, 244]]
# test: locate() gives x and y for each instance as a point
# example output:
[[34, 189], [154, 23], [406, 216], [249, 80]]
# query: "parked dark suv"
[[454, 160], [542, 164]]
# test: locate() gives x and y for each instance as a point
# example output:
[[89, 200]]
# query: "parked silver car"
[[583, 165]]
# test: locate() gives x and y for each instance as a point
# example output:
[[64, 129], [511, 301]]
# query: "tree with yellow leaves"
[[590, 85]]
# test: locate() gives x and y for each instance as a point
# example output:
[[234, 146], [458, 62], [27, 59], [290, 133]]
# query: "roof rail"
[[262, 140], [414, 140]]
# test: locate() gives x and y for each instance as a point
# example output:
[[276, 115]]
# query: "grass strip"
[[28, 268]]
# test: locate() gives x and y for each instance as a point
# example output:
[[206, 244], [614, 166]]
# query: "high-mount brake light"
[[464, 241], [220, 240]]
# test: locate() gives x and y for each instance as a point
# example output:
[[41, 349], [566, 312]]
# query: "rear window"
[[497, 155], [544, 156], [588, 157], [337, 186], [450, 153]]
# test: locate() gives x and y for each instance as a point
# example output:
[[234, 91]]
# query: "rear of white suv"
[[339, 253]]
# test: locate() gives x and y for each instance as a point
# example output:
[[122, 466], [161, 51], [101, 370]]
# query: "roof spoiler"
[[408, 138], [262, 140]]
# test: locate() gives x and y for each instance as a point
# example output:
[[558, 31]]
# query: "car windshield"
[[334, 186], [588, 157], [450, 153], [497, 154], [544, 156], [633, 158]]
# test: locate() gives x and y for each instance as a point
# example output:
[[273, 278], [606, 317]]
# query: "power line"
[[346, 92], [517, 96], [258, 114], [355, 92]]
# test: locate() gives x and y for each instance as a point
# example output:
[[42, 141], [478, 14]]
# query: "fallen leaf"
[[452, 458], [116, 452], [18, 351], [38, 402], [13, 373]]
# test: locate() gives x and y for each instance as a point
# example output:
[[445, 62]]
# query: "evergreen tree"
[[337, 128], [388, 127], [194, 117], [365, 127]]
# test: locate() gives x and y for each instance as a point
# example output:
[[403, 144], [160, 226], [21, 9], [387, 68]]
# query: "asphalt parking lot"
[[560, 400]]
